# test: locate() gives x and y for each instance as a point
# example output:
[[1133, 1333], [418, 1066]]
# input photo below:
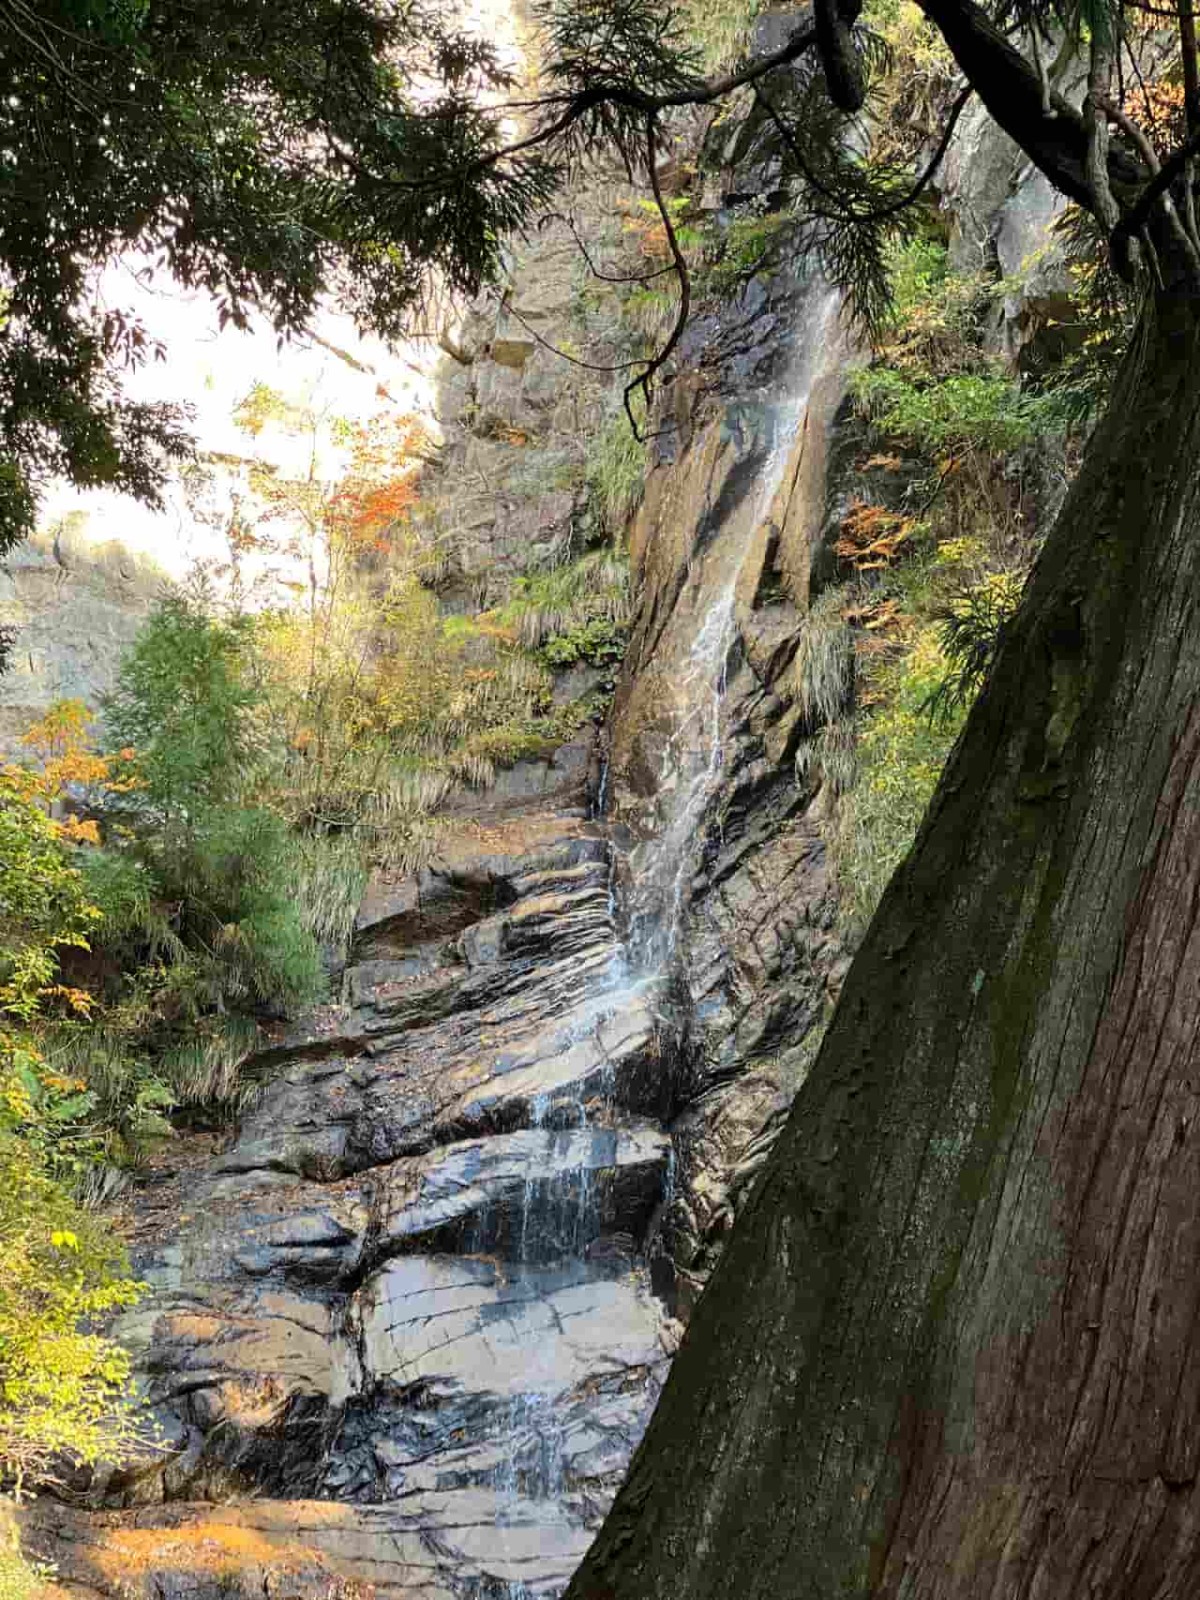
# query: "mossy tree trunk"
[[953, 1348]]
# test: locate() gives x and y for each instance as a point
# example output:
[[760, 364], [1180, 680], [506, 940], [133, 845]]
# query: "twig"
[[578, 105], [604, 277], [1184, 231], [643, 381], [576, 361], [847, 213], [1138, 215]]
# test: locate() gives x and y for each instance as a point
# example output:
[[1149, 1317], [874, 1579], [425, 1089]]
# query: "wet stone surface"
[[407, 1325]]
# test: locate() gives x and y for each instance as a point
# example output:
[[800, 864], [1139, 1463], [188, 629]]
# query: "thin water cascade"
[[689, 777], [532, 1178], [691, 767], [647, 909]]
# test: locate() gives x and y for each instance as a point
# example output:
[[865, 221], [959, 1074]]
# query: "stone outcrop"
[[1001, 209], [519, 419], [728, 543], [409, 1302]]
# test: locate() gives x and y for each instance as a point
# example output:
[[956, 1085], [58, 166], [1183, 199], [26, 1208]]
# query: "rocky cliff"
[[406, 1325], [74, 604], [407, 1321]]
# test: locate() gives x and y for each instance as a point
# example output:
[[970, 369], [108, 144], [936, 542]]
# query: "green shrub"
[[64, 1384], [202, 878], [44, 906], [234, 879], [900, 753], [20, 1579], [184, 705], [553, 603], [989, 412], [615, 475], [598, 643]]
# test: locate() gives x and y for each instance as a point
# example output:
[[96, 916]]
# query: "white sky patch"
[[212, 369]]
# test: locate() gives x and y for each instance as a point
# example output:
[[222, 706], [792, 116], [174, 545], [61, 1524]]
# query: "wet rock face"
[[409, 1302], [407, 1324], [738, 911]]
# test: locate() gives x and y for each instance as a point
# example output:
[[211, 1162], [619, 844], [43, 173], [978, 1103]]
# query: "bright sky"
[[213, 369]]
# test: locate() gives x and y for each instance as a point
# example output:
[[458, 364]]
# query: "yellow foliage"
[[64, 1384], [62, 745]]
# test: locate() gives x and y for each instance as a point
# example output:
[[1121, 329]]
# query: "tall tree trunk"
[[953, 1348]]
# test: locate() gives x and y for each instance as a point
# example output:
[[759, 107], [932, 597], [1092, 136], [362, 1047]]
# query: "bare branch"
[[563, 355], [657, 362], [892, 207], [1103, 203], [604, 277], [1185, 239], [1136, 218]]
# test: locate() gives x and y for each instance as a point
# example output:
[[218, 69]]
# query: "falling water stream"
[[559, 1217]]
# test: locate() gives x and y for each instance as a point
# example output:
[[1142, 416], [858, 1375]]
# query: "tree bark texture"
[[952, 1351]]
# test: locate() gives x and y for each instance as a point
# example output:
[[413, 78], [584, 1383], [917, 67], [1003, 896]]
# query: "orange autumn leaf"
[[872, 536]]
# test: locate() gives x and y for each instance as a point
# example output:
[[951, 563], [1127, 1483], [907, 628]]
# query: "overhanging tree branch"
[[603, 277], [1136, 218], [1054, 137], [578, 106]]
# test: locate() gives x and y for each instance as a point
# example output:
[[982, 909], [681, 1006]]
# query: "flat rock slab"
[[536, 1192], [475, 1325]]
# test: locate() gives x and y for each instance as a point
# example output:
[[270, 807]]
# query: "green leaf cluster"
[[599, 642], [984, 411], [267, 154], [935, 389], [63, 1382], [44, 906], [900, 751]]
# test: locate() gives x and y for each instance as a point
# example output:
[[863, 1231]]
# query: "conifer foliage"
[[267, 153]]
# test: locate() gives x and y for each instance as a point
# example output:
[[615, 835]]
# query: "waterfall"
[[689, 776], [419, 1288], [559, 1217]]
